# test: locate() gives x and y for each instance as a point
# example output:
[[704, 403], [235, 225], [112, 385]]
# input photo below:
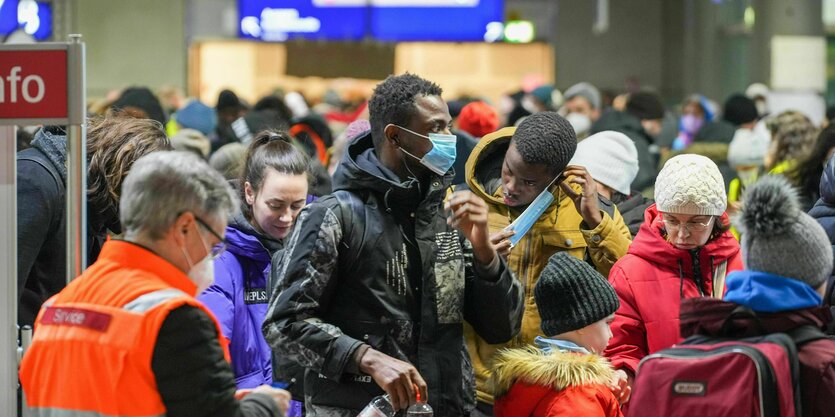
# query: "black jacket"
[[192, 376], [824, 213], [463, 148], [42, 224], [630, 126], [632, 208], [376, 264]]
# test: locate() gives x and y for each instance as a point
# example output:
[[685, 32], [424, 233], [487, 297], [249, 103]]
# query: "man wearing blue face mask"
[[538, 205], [377, 279]]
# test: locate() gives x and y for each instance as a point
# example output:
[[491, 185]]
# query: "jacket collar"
[[130, 255], [549, 345], [361, 171], [245, 241]]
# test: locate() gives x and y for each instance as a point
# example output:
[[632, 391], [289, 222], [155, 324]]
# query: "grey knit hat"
[[778, 237], [585, 90], [571, 295]]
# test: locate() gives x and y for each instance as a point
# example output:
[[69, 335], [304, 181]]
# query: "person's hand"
[[586, 201], [501, 242], [621, 386], [734, 207], [280, 396], [397, 378], [468, 213]]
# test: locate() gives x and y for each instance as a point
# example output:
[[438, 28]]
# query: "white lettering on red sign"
[[13, 80]]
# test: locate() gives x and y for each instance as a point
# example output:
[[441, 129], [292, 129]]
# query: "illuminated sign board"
[[385, 20]]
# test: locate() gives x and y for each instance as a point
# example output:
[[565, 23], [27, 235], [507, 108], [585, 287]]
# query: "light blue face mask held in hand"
[[528, 218], [441, 157]]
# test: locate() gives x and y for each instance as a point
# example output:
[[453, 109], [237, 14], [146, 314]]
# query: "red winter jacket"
[[532, 383], [652, 279]]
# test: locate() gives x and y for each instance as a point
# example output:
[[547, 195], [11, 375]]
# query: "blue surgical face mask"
[[523, 223], [440, 158]]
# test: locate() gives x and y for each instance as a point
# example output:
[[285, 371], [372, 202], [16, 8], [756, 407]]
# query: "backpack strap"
[[352, 216], [41, 160], [805, 334]]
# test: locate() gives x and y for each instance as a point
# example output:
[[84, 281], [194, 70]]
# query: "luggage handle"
[[741, 313]]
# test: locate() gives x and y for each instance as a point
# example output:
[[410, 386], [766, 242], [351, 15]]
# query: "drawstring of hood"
[[697, 273], [712, 276], [386, 200], [697, 270]]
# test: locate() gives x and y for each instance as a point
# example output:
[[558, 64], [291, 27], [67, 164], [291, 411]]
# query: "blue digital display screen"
[[280, 20], [385, 20], [34, 18], [435, 23]]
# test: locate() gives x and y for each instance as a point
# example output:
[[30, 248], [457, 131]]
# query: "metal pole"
[[8, 270], [77, 160], [25, 342]]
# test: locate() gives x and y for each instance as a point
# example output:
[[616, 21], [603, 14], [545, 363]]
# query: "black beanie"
[[227, 99], [143, 99], [571, 295], [739, 110], [645, 106]]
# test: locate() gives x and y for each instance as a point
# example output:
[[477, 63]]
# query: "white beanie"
[[610, 157], [748, 148], [690, 184]]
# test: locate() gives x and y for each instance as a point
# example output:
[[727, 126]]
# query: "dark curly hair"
[[393, 102], [546, 138], [807, 173]]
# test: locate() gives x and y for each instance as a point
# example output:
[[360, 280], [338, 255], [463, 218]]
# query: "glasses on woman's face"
[[219, 247], [691, 226]]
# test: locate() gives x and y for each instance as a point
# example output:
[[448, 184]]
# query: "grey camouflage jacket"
[[375, 263]]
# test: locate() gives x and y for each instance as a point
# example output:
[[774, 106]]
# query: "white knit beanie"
[[748, 148], [610, 157], [690, 184]]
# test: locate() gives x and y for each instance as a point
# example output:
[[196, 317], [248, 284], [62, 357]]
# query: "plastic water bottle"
[[378, 407], [419, 408]]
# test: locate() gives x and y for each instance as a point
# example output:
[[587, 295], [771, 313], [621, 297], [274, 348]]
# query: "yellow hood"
[[483, 168]]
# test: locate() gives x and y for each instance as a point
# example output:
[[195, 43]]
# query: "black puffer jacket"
[[377, 264], [632, 208], [824, 213]]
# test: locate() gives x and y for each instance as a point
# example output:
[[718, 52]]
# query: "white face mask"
[[201, 274], [580, 122]]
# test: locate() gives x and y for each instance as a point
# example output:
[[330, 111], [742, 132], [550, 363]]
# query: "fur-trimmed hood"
[[554, 369]]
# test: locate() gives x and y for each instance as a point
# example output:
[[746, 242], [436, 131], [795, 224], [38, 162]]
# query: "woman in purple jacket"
[[273, 190]]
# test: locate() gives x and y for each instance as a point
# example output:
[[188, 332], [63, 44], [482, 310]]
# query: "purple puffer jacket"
[[239, 299]]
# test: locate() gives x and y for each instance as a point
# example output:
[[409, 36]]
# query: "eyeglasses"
[[673, 224], [218, 248]]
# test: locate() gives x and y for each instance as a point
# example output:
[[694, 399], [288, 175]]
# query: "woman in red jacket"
[[683, 250]]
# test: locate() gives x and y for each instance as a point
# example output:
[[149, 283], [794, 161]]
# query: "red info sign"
[[33, 84]]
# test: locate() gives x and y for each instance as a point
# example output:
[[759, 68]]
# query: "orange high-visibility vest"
[[94, 341]]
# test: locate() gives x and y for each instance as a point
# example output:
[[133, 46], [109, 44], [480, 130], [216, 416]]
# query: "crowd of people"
[[303, 256]]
